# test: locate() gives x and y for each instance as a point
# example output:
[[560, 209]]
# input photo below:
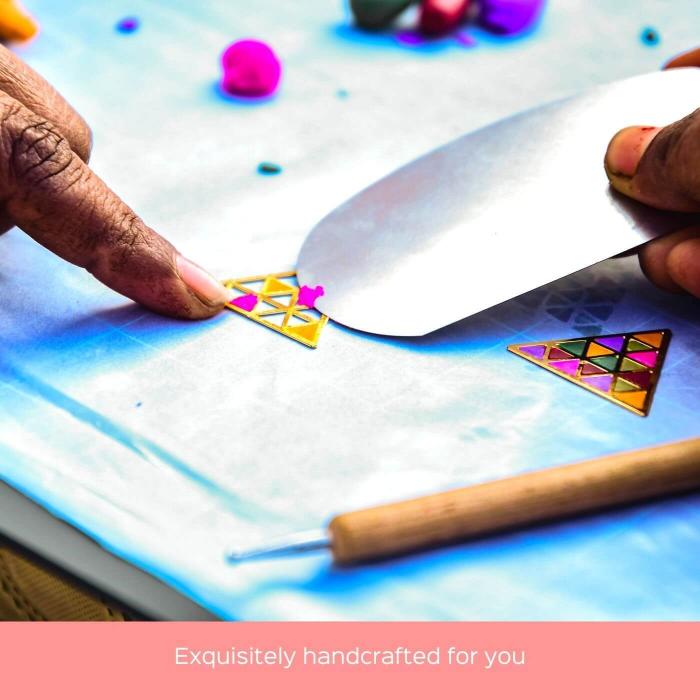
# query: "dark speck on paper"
[[267, 168], [650, 36]]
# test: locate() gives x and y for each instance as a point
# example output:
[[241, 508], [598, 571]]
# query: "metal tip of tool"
[[298, 543]]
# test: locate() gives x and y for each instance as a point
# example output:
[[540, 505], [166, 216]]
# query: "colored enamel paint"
[[636, 399], [247, 302], [624, 385], [251, 69], [587, 368], [308, 296], [601, 382], [640, 379], [654, 339], [608, 362], [575, 347], [634, 345], [628, 365], [566, 366], [595, 350], [614, 342], [558, 354], [536, 351], [647, 358]]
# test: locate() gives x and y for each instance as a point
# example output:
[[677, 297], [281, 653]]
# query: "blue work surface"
[[171, 442]]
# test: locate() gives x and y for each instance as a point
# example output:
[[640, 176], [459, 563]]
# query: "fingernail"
[[627, 148], [207, 289]]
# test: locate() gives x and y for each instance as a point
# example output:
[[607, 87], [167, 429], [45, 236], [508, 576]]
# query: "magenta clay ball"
[[251, 69]]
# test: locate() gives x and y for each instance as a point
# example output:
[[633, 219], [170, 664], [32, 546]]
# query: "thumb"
[[658, 166]]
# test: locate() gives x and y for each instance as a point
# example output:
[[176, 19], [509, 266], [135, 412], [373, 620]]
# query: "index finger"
[[55, 197], [22, 83]]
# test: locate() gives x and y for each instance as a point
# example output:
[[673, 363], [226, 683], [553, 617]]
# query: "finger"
[[654, 260], [684, 264], [18, 80], [55, 197], [658, 166], [687, 59]]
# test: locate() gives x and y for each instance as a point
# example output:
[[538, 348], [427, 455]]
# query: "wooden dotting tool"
[[475, 511]]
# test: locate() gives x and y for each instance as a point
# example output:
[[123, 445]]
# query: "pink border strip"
[[565, 661]]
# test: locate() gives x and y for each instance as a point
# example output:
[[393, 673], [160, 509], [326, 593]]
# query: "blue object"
[[268, 168], [650, 36], [128, 25]]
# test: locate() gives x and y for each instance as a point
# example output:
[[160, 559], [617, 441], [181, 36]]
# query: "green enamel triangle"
[[608, 362], [634, 346], [624, 385], [628, 365], [621, 392], [575, 347]]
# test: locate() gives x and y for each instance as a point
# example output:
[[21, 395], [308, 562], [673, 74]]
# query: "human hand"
[[661, 167], [47, 189]]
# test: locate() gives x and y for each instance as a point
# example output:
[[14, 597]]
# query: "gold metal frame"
[[654, 372], [274, 286]]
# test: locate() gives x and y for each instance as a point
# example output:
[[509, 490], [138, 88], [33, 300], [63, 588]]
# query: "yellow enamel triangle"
[[273, 286], [618, 371], [308, 332], [297, 322]]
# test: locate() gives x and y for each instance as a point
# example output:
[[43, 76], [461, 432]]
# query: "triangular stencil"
[[628, 379], [272, 301]]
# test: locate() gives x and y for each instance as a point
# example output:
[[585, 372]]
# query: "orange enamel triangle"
[[627, 384], [277, 308], [636, 399], [595, 350], [653, 339], [309, 331]]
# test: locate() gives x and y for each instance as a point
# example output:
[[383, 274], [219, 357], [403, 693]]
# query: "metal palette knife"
[[493, 214]]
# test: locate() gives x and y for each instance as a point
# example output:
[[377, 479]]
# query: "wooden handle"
[[521, 500]]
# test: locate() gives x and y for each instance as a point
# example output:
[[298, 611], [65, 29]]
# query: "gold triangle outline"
[[654, 372], [293, 310]]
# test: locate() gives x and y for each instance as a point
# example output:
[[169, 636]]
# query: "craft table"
[[167, 443]]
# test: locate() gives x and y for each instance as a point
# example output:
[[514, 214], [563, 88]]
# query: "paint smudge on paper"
[[128, 25]]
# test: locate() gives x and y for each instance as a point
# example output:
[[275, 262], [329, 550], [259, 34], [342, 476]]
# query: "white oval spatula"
[[491, 215]]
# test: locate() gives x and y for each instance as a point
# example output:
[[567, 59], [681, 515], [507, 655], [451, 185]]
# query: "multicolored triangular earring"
[[623, 368]]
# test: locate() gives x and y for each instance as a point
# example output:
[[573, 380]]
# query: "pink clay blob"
[[251, 69]]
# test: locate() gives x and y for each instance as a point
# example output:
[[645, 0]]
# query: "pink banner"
[[347, 660]]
